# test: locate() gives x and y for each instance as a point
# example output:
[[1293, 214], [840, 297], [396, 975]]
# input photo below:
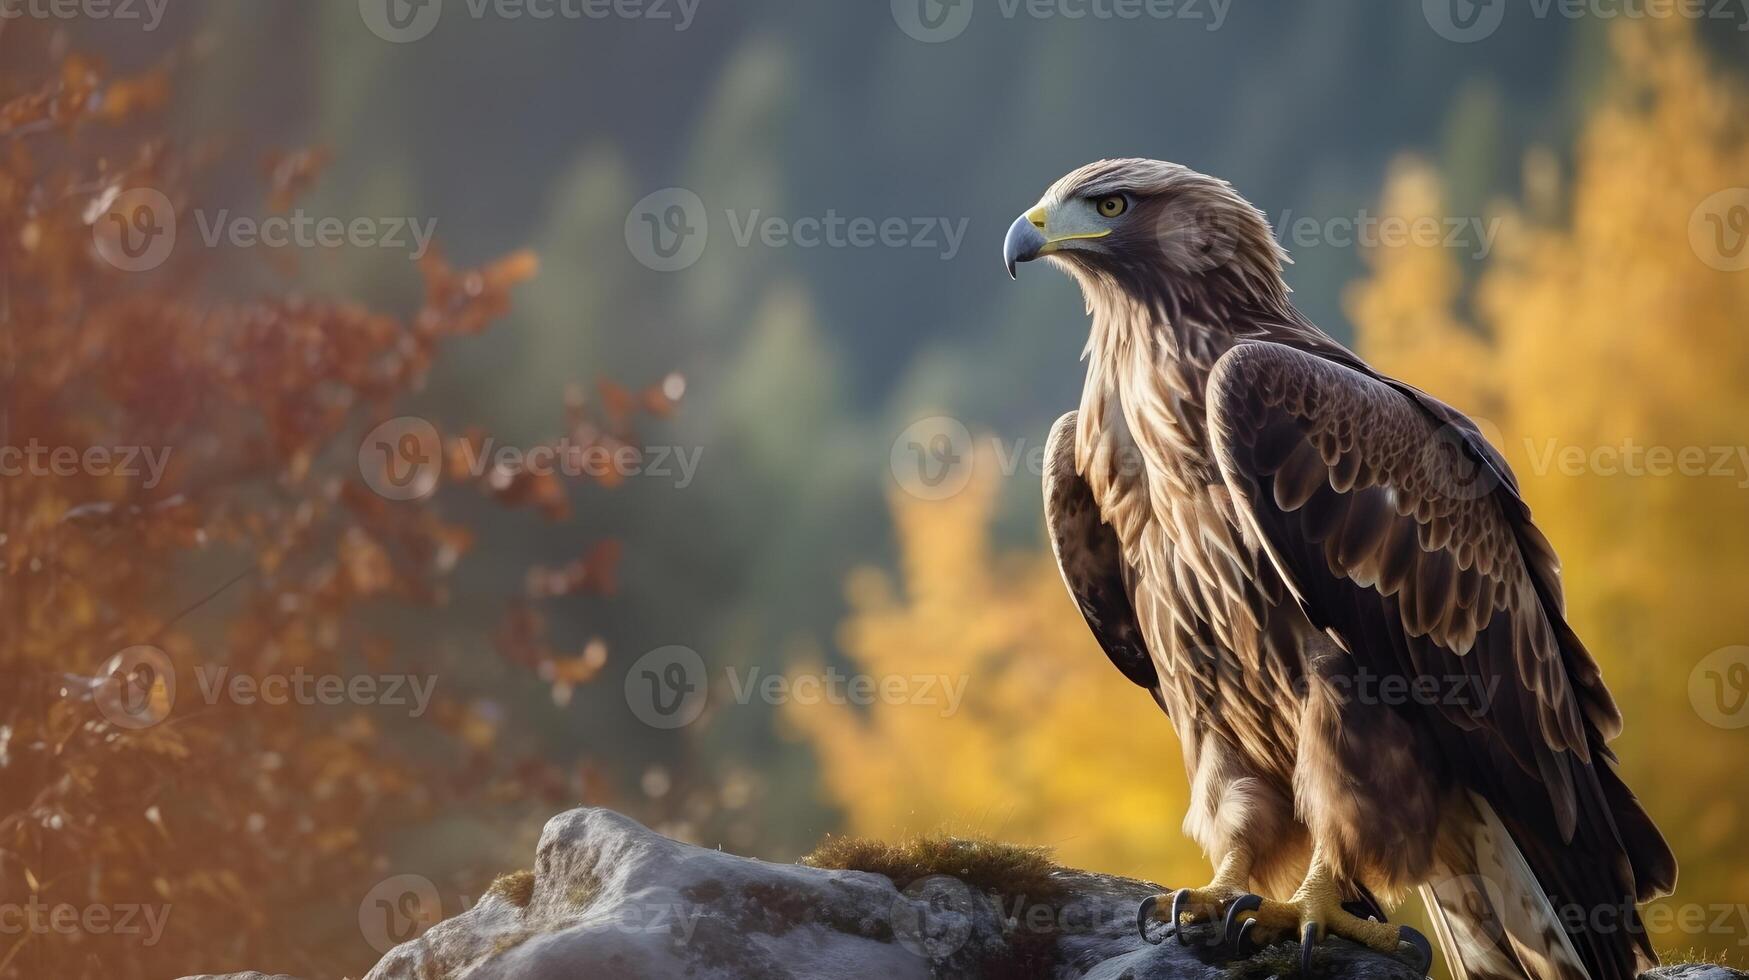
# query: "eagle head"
[[1148, 227]]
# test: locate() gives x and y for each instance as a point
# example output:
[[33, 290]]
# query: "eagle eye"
[[1111, 205]]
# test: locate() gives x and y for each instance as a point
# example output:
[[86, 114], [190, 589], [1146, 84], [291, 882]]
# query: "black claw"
[[1245, 942], [1180, 899], [1241, 905], [1308, 939], [1144, 915], [1411, 942]]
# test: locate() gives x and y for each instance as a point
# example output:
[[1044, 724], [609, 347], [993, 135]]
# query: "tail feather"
[[1615, 859], [1493, 919], [1654, 866]]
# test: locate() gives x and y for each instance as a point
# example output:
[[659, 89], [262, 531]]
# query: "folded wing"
[[1402, 534]]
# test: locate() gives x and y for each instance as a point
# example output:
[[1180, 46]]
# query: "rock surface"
[[609, 898], [251, 975]]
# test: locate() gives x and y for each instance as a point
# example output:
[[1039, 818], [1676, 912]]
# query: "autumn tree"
[[254, 530]]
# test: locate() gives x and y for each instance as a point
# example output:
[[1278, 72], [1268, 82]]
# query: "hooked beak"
[[1026, 240], [1043, 230]]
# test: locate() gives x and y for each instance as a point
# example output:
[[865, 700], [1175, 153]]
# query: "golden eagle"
[[1330, 583]]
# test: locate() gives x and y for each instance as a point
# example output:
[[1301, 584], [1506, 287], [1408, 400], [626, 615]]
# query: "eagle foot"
[[1186, 906], [1251, 919]]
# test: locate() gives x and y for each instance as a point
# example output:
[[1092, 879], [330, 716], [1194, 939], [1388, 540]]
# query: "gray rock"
[[251, 975], [609, 898]]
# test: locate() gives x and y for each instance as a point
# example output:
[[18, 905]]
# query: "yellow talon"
[[1186, 906], [1314, 911], [1204, 904]]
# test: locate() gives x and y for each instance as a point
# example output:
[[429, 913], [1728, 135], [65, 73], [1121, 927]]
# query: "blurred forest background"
[[1591, 316]]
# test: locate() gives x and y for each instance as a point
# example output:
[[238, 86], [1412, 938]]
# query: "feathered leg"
[[1244, 821]]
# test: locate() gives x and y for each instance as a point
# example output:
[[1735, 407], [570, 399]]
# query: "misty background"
[[802, 365]]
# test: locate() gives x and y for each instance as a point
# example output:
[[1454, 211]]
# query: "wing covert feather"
[[1091, 560], [1395, 532]]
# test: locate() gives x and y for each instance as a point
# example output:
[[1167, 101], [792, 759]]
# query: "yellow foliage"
[[1610, 339], [1050, 745]]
